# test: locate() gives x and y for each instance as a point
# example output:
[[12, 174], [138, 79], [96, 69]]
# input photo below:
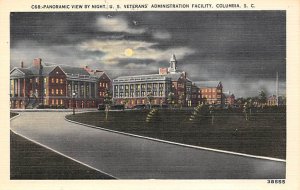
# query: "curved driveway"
[[127, 157]]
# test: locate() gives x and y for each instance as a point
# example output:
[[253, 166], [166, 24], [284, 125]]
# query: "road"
[[127, 157]]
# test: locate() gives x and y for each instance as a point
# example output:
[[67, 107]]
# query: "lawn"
[[264, 134]]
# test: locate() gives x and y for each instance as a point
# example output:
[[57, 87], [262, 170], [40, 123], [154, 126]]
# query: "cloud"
[[161, 35], [117, 24], [114, 50]]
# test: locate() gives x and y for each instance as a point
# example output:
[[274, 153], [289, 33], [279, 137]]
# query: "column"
[[96, 89], [24, 87], [72, 88], [90, 90], [84, 90], [164, 89], [140, 89], [19, 87], [78, 89]]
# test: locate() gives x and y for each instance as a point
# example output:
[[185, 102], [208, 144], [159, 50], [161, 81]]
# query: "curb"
[[180, 144], [14, 117]]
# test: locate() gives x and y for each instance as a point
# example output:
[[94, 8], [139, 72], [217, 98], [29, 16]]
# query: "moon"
[[128, 52]]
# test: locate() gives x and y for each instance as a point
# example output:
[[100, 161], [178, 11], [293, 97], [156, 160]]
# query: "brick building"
[[229, 98], [210, 92], [56, 85]]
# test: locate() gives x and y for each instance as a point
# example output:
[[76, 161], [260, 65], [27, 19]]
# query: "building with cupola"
[[136, 90]]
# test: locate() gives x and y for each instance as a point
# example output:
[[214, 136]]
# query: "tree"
[[181, 100], [125, 102], [262, 98], [107, 102], [150, 99], [246, 110], [171, 98]]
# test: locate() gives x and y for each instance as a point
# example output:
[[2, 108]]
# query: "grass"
[[31, 161], [264, 134], [12, 114]]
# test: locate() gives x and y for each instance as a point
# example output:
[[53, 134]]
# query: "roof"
[[209, 84], [74, 70], [171, 76], [25, 71], [48, 69], [140, 78]]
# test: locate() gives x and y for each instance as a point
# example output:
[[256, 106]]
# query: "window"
[[30, 80], [52, 101], [56, 101], [61, 101], [52, 80], [61, 91], [37, 80], [69, 90], [45, 91], [116, 87], [121, 87], [137, 87], [45, 80], [56, 81], [52, 91], [61, 81], [56, 91]]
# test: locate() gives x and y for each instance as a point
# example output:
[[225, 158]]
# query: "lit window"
[[100, 84], [52, 91], [52, 102], [61, 81], [37, 80], [61, 91], [61, 101], [45, 80], [56, 80], [56, 91], [56, 101], [52, 80]]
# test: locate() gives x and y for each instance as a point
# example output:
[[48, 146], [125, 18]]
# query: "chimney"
[[37, 62], [87, 69], [22, 64]]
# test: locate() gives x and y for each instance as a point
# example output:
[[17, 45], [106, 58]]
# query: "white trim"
[[73, 159], [181, 144]]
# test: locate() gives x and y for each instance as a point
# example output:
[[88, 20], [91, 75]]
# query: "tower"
[[173, 64]]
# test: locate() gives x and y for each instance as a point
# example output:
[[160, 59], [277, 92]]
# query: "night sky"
[[243, 49]]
